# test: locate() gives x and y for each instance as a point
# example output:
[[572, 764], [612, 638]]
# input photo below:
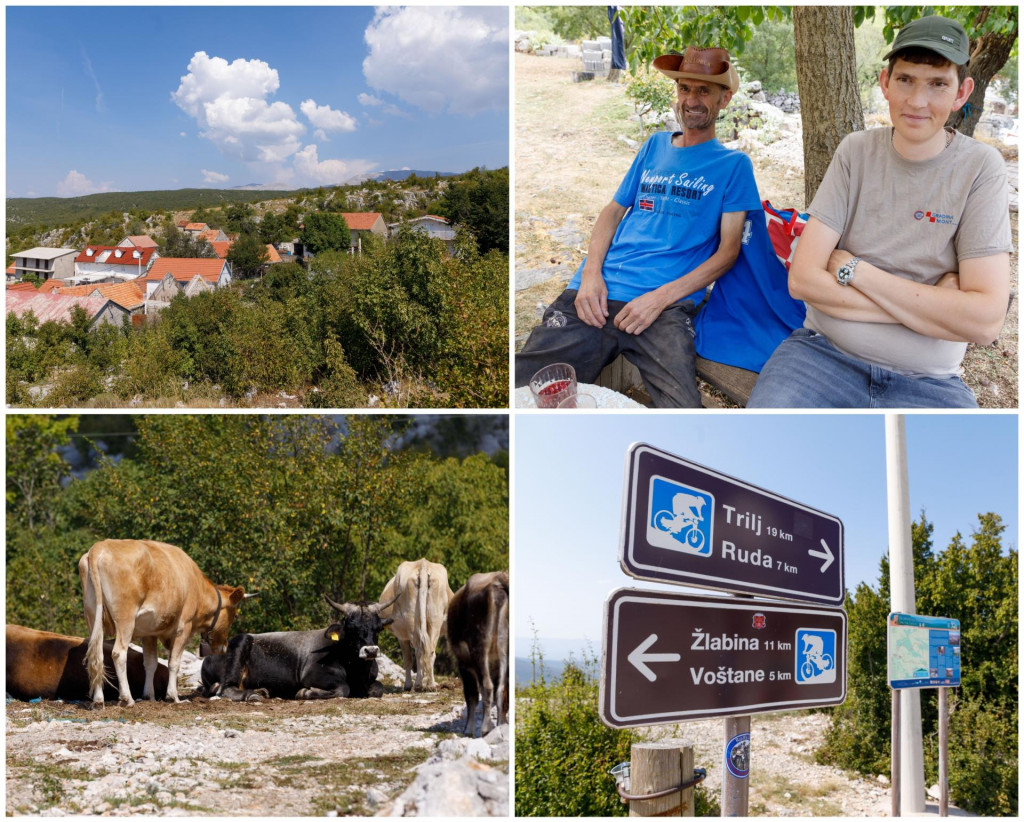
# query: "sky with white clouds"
[[130, 98]]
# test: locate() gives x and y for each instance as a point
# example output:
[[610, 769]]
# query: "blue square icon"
[[680, 518]]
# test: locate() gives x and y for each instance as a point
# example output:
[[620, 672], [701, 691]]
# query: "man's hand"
[[951, 279], [637, 315], [592, 300]]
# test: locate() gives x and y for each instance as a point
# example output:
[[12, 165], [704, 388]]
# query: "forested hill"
[[50, 211]]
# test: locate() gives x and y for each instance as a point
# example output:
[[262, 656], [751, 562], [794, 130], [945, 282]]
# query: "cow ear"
[[237, 595], [388, 621], [335, 632]]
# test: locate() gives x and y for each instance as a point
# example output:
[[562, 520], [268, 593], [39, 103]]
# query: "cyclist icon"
[[816, 661], [683, 521]]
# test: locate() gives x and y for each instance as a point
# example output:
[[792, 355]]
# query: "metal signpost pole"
[[735, 782], [943, 753], [894, 807]]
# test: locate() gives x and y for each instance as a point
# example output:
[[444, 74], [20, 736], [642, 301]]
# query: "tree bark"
[[989, 54], [826, 73]]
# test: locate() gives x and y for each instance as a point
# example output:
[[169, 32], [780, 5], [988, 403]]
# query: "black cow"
[[338, 662], [478, 636]]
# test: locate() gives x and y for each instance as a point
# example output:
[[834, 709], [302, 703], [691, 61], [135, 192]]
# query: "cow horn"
[[250, 596], [380, 606], [341, 609]]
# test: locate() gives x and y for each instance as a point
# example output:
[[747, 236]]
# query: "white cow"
[[419, 615]]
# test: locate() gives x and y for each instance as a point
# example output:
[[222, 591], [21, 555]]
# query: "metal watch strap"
[[845, 273]]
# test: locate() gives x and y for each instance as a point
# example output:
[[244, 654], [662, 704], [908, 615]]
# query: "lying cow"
[[478, 636], [149, 591], [419, 618], [52, 666], [338, 662]]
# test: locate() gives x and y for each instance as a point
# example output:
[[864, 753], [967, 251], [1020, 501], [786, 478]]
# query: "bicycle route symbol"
[[680, 518]]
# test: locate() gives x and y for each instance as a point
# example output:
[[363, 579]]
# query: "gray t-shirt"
[[914, 220]]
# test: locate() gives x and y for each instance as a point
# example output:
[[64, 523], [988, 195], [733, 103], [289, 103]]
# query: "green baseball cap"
[[938, 34]]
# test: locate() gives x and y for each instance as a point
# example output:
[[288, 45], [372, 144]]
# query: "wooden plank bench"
[[736, 383]]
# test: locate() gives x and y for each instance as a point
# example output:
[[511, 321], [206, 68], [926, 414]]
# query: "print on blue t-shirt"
[[676, 197]]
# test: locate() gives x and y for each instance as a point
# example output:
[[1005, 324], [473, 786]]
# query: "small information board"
[[924, 652]]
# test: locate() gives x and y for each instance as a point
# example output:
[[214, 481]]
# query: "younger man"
[[906, 256]]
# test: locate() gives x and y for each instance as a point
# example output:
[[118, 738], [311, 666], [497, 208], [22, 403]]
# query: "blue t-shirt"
[[676, 197], [749, 311]]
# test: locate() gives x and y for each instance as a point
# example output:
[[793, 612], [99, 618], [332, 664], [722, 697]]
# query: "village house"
[[138, 241], [171, 275], [112, 264], [57, 307], [361, 224], [130, 296], [194, 229], [45, 263], [433, 226]]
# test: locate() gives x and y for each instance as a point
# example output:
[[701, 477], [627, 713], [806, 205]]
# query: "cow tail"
[[94, 653], [422, 638]]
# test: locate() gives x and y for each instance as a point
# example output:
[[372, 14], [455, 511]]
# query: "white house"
[[46, 263]]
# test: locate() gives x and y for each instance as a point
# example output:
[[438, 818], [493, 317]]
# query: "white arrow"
[[826, 555], [639, 658]]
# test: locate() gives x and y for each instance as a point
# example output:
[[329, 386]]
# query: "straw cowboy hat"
[[710, 65]]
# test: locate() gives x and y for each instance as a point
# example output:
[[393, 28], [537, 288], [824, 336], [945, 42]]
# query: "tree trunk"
[[989, 54], [826, 73]]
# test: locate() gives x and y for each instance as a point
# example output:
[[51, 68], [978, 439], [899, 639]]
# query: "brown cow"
[[478, 635], [52, 666], [419, 616], [140, 589]]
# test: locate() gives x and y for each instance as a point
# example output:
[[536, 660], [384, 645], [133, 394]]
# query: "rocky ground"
[[575, 140], [784, 778], [401, 755]]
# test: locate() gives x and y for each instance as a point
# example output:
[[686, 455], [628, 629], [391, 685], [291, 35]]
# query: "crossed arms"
[[964, 306], [638, 314]]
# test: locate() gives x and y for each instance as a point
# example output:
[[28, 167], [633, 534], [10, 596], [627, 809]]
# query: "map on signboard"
[[924, 652]]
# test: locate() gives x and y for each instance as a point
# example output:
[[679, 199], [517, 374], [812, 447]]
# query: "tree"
[[826, 70], [177, 243], [325, 231], [248, 256], [239, 218], [478, 200], [35, 468]]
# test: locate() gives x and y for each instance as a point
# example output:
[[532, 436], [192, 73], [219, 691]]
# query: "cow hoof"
[[125, 703]]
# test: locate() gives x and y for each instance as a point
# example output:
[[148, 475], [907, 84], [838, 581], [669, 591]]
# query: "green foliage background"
[[976, 584], [292, 506], [564, 753]]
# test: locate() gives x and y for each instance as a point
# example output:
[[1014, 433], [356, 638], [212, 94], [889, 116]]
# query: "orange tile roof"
[[196, 226], [21, 286], [51, 306], [361, 220], [221, 248], [184, 269], [127, 295], [142, 241], [272, 255], [126, 257], [52, 285], [11, 269], [209, 235]]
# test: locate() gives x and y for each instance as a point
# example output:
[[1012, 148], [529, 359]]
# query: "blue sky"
[[125, 98], [568, 491]]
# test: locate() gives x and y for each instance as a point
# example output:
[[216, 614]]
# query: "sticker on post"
[[815, 656], [737, 756], [680, 518]]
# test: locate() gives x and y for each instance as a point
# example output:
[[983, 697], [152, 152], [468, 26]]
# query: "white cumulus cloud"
[[214, 177], [451, 59], [229, 102], [325, 118], [312, 170], [78, 185]]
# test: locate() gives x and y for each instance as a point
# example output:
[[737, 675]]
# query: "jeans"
[[807, 371], [664, 353]]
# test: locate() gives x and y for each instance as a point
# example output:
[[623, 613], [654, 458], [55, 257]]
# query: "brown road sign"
[[692, 525], [671, 657]]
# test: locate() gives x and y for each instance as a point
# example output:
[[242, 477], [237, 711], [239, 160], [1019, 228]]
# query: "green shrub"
[[651, 94], [564, 753]]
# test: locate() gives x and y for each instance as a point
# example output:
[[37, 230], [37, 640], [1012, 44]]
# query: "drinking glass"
[[552, 384]]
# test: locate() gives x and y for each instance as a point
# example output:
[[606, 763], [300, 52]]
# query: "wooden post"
[[658, 766], [735, 789], [943, 753], [894, 809]]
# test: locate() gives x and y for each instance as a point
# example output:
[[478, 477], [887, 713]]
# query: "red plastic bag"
[[784, 228]]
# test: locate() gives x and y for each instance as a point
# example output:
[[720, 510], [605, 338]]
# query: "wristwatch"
[[845, 272]]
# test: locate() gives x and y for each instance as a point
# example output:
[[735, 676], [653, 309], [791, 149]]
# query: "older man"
[[674, 226]]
